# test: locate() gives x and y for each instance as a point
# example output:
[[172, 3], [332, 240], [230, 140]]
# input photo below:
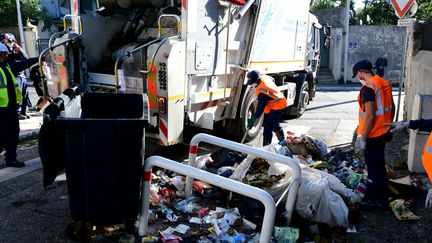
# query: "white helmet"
[[3, 48]]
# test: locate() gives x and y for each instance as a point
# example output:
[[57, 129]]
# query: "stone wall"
[[370, 41], [334, 17]]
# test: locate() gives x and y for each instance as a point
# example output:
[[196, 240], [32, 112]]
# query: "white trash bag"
[[318, 201]]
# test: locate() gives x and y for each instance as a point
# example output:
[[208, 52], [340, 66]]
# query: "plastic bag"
[[286, 234], [304, 145], [322, 147], [318, 201], [275, 168]]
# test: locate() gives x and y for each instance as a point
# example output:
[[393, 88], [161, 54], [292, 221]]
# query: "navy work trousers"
[[22, 82], [377, 186], [271, 124], [9, 133]]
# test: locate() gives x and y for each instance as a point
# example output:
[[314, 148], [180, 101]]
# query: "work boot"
[[15, 163]]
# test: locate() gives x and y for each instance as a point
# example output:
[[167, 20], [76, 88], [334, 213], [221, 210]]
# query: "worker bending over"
[[270, 101]]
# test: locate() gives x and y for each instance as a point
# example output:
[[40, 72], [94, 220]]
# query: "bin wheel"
[[77, 231]]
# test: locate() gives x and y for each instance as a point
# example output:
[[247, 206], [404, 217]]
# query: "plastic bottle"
[[359, 193]]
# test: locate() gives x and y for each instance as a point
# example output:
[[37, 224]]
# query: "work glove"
[[428, 202], [251, 122], [397, 126], [360, 143]]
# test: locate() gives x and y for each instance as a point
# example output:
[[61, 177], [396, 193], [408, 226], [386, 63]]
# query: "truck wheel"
[[299, 107], [249, 107]]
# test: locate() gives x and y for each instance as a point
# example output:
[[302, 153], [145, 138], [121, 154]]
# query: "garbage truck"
[[189, 57]]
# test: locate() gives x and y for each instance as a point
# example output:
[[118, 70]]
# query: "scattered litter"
[[351, 229], [249, 224], [224, 157], [170, 238], [182, 228], [169, 230], [202, 188], [401, 210], [286, 234], [178, 183], [126, 238], [195, 220], [149, 239], [406, 180]]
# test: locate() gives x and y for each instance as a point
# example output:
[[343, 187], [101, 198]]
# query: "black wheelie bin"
[[103, 157]]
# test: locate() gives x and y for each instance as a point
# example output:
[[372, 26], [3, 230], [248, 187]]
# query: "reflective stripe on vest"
[[3, 81], [428, 149], [4, 96], [427, 157], [268, 87], [383, 104]]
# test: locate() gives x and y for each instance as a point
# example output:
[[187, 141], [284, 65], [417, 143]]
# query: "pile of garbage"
[[174, 218], [332, 183]]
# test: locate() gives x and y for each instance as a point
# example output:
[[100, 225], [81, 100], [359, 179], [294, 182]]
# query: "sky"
[[358, 4]]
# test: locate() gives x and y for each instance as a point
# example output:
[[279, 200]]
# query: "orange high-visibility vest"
[[268, 87], [427, 157], [383, 104]]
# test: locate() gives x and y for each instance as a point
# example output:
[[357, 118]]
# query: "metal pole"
[[20, 26], [401, 81], [295, 167], [347, 16]]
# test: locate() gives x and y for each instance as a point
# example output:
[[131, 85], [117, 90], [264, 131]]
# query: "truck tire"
[[301, 101], [249, 107]]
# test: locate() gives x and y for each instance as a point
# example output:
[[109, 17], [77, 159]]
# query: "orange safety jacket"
[[268, 87], [383, 103], [427, 157]]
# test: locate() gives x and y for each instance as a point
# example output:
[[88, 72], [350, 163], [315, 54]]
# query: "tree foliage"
[[30, 9], [424, 12], [380, 12], [326, 4], [323, 4]]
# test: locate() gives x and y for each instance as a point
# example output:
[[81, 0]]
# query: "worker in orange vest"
[[270, 101], [376, 107], [421, 125]]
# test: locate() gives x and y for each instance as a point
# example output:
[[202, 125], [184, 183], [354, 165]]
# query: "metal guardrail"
[[295, 167], [192, 172]]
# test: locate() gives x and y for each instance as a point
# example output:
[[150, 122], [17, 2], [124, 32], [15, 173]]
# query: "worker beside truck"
[[191, 58], [271, 102]]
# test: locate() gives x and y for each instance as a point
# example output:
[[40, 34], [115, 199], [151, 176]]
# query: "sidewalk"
[[30, 127], [344, 87]]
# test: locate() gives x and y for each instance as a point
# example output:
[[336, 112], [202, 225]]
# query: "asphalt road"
[[30, 213]]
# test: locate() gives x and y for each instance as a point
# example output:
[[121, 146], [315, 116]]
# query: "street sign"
[[402, 6], [406, 22]]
